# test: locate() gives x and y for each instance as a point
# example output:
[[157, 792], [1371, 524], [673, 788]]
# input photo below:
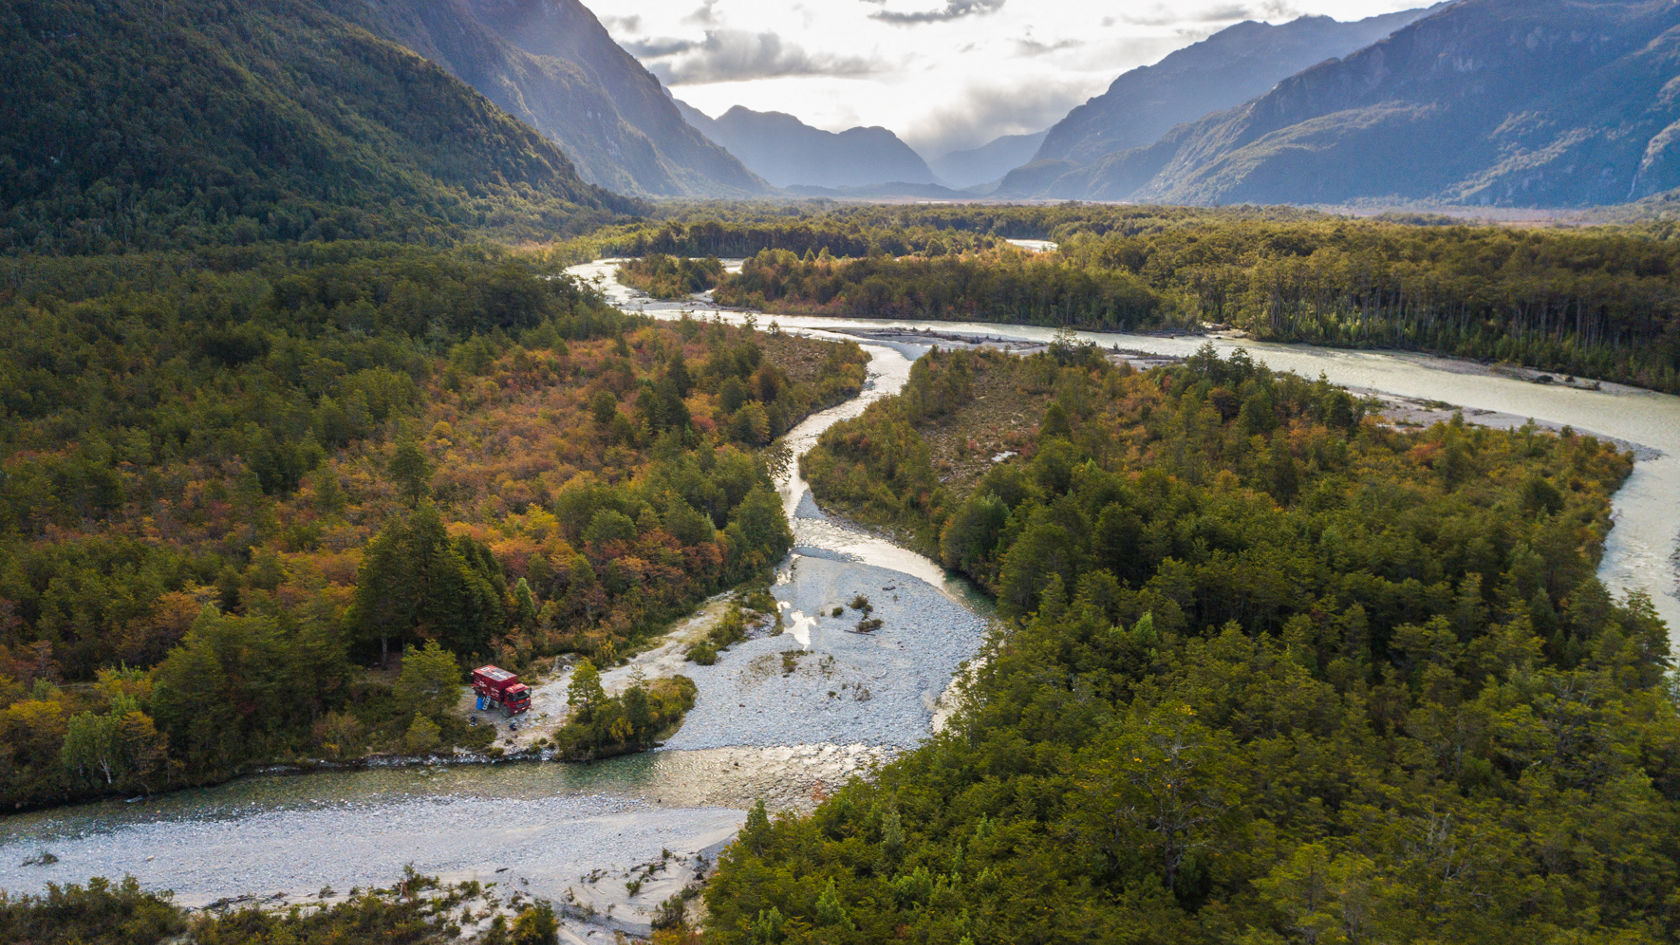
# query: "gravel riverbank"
[[544, 845], [821, 681]]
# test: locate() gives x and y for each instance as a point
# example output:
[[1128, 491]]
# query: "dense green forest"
[[671, 277], [1596, 303], [1590, 302], [999, 286], [1274, 671], [199, 122], [728, 224], [745, 229], [231, 479]]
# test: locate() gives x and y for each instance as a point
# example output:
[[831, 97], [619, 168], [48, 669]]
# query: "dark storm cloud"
[[954, 10], [737, 55]]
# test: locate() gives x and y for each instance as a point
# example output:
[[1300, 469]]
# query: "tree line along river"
[[756, 731]]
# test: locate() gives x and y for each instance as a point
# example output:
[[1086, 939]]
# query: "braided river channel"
[[780, 717]]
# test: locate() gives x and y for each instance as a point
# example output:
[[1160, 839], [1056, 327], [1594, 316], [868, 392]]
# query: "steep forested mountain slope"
[[1226, 69], [788, 153], [206, 121], [552, 64], [1508, 102]]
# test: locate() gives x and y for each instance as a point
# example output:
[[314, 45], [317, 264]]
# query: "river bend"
[[759, 728]]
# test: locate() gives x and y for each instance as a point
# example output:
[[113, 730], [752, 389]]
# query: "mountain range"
[[551, 64], [1224, 70], [211, 120], [789, 153], [1220, 72], [207, 121], [1535, 103], [987, 163]]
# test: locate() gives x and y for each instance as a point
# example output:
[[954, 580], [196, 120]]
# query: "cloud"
[[738, 55], [657, 48], [1283, 10], [1166, 14], [954, 10], [622, 24], [986, 112], [705, 16], [1032, 47]]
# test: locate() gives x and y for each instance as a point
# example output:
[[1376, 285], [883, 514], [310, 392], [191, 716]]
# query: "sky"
[[942, 74]]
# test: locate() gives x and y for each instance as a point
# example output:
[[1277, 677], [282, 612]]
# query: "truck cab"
[[516, 699]]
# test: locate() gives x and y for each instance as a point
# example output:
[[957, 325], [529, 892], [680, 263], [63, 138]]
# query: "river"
[[780, 717], [1641, 549], [784, 718]]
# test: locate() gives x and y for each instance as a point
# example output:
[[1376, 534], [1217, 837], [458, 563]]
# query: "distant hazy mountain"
[[888, 191], [1226, 69], [789, 153], [205, 121], [1511, 102], [1220, 72], [552, 64], [988, 162]]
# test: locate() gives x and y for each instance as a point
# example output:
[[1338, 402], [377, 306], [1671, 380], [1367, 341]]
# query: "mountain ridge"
[[789, 153], [274, 119], [1481, 74], [551, 64], [1228, 68], [989, 162]]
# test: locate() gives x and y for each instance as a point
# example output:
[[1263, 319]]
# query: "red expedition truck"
[[497, 686]]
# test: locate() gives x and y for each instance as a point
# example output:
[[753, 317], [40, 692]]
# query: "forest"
[[744, 229], [997, 286], [1596, 302], [206, 123], [1274, 670], [299, 420], [671, 277], [237, 482]]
